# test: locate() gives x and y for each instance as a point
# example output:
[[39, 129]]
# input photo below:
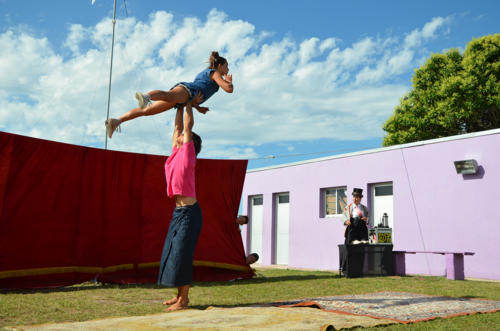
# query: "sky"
[[311, 78]]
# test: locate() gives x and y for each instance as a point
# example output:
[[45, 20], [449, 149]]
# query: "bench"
[[454, 262]]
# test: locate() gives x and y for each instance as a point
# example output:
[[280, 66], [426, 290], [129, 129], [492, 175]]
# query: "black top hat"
[[357, 192]]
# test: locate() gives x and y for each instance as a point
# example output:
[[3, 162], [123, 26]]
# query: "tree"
[[451, 94]]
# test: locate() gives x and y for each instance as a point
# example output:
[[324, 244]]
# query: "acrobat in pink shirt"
[[179, 171]]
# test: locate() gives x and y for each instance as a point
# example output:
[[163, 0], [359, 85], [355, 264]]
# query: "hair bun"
[[215, 60]]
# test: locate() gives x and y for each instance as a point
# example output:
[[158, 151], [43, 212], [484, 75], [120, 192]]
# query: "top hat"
[[357, 192]]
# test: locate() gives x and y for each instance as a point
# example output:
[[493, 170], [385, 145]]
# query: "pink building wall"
[[435, 209]]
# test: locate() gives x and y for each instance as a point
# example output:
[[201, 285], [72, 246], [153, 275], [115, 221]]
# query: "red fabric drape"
[[71, 213]]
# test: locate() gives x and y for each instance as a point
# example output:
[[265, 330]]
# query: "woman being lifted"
[[205, 84]]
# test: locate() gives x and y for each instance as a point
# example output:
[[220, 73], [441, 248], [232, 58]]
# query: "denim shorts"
[[176, 265], [190, 93]]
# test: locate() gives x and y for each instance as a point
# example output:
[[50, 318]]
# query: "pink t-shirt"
[[179, 171]]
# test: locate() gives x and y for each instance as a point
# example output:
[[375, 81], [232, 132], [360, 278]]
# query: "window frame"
[[323, 212]]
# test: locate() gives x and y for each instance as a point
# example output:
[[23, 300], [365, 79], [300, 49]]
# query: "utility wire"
[[416, 213], [306, 154]]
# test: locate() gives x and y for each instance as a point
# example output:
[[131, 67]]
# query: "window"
[[334, 200], [283, 198], [383, 190], [257, 201]]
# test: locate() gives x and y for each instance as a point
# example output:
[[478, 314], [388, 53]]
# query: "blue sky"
[[312, 78]]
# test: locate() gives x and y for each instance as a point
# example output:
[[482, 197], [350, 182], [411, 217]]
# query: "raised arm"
[[188, 122], [179, 126], [226, 82]]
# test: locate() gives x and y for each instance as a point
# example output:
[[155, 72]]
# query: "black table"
[[365, 260]]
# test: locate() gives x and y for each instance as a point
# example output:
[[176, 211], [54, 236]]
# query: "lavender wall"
[[435, 209]]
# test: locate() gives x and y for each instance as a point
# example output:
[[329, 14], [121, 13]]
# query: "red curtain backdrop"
[[69, 214]]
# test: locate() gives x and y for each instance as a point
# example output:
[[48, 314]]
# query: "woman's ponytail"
[[216, 60]]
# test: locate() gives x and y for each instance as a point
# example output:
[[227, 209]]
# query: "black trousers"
[[356, 231]]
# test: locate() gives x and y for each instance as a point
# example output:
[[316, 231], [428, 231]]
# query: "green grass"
[[90, 301]]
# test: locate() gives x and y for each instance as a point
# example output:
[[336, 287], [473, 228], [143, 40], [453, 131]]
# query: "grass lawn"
[[90, 301]]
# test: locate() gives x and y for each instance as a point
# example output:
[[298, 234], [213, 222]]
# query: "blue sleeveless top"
[[204, 84]]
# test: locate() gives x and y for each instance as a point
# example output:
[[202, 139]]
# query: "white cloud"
[[429, 31], [284, 91], [23, 60], [222, 151], [326, 44], [308, 50], [76, 35], [393, 59]]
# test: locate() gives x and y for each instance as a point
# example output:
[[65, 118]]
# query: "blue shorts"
[[176, 265]]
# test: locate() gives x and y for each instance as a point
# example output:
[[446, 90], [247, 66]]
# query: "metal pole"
[[110, 73]]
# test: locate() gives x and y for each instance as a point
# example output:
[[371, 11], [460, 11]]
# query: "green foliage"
[[451, 94]]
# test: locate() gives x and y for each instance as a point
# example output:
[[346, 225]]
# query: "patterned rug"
[[397, 306]]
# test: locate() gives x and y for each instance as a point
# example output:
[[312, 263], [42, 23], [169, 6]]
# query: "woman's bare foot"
[[171, 301], [179, 305]]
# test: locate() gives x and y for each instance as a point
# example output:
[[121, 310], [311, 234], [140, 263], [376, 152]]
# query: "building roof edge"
[[382, 149]]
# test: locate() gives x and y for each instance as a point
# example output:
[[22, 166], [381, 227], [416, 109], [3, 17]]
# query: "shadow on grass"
[[80, 287], [100, 286], [262, 279], [470, 297]]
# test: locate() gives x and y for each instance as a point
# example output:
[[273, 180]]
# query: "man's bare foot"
[[171, 301], [179, 305]]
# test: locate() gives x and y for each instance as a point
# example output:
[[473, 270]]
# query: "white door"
[[382, 202], [255, 222], [282, 207]]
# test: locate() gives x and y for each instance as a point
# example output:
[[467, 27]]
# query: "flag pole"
[[110, 73]]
